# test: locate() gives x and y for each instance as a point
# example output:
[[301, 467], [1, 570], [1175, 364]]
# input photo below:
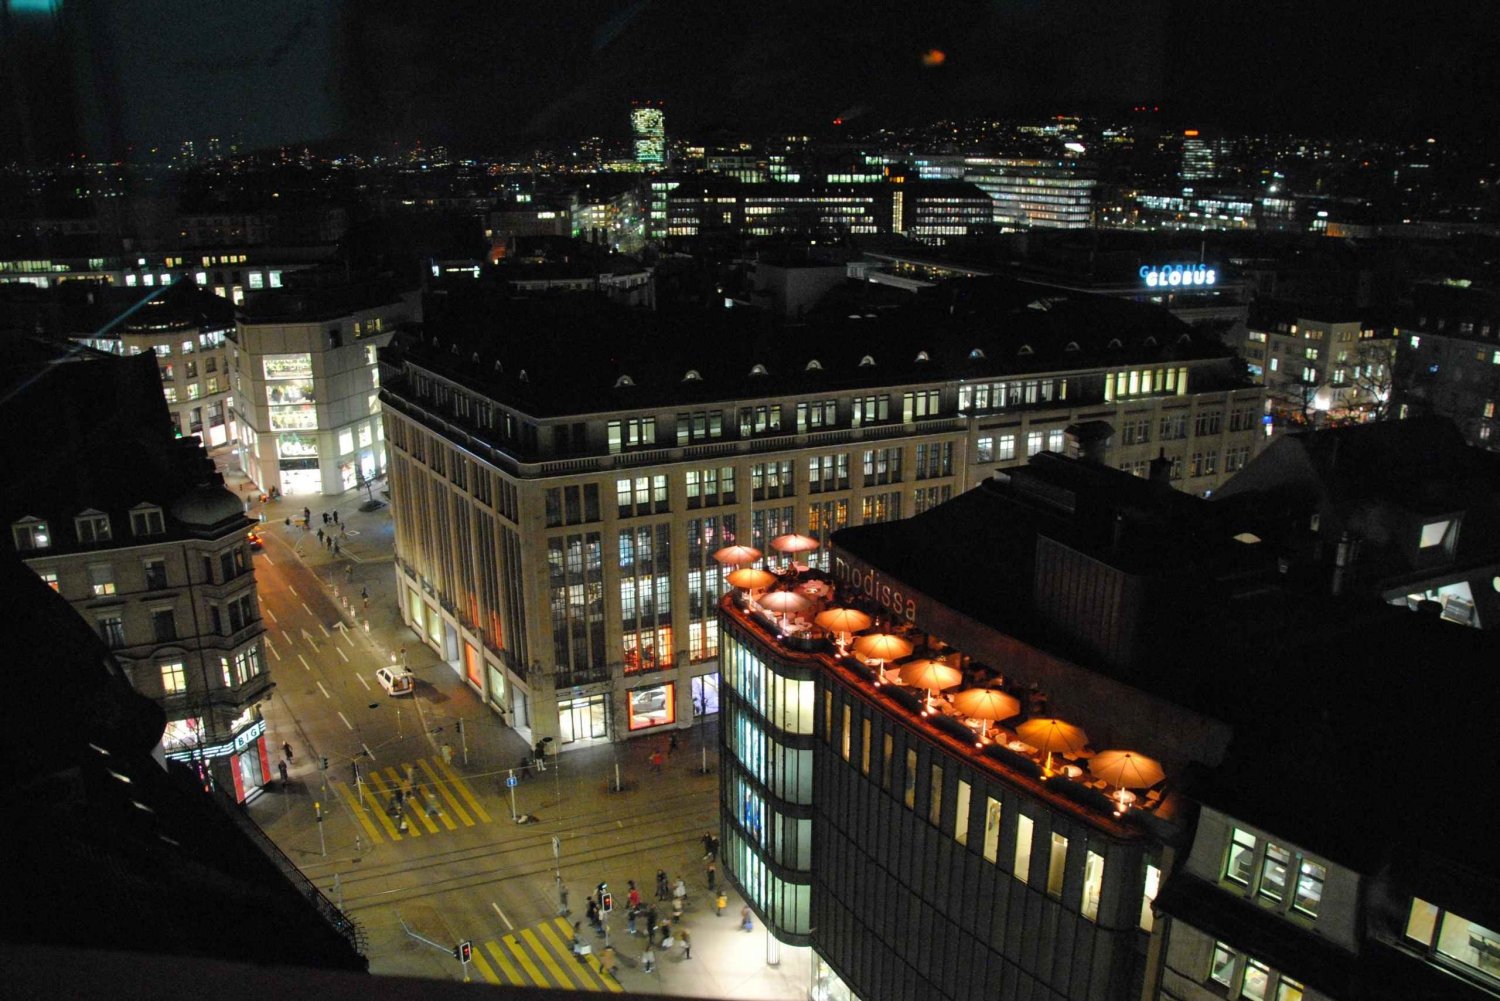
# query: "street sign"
[[510, 781]]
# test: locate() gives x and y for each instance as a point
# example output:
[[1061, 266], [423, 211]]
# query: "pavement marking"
[[324, 628], [360, 813], [568, 961], [442, 814], [503, 961], [272, 647], [269, 614], [535, 974], [291, 589], [267, 559], [309, 610], [346, 721], [346, 658], [484, 967], [368, 753], [453, 803], [545, 954], [420, 813], [508, 925], [385, 821], [324, 691], [344, 632], [463, 789], [362, 681], [564, 932], [304, 662]]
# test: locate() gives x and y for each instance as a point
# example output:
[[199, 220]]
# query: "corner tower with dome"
[[135, 528]]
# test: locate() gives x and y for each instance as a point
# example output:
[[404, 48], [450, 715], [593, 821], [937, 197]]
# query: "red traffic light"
[[608, 903]]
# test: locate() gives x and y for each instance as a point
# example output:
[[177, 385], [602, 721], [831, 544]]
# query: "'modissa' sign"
[[892, 595]]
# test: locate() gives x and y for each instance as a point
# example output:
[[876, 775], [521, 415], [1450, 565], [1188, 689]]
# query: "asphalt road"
[[462, 869]]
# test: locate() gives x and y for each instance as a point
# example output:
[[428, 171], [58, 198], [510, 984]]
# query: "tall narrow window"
[[909, 794], [844, 738], [864, 747], [1273, 872], [1057, 863], [1241, 859], [888, 751], [1093, 883], [1151, 882], [1221, 967], [991, 828], [1022, 869], [935, 797], [961, 813]]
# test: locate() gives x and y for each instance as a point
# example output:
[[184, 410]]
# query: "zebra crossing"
[[432, 799], [541, 956]]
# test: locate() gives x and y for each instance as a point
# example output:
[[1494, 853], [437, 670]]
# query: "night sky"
[[481, 75]]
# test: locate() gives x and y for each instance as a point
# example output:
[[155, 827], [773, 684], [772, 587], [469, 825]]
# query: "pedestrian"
[[541, 755], [713, 877], [746, 923], [634, 898], [630, 920], [320, 536], [282, 766], [648, 960], [608, 961], [593, 912], [677, 910], [651, 922], [335, 516], [671, 742], [708, 846], [679, 890], [306, 516], [325, 517], [286, 748], [364, 592], [720, 902], [335, 547], [687, 944], [661, 875], [656, 760], [349, 572], [447, 754]]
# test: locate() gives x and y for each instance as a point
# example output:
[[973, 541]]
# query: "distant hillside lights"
[[1178, 274]]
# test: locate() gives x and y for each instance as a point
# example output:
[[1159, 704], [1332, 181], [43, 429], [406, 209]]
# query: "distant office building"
[[585, 618], [1201, 156], [648, 129], [1320, 364], [1448, 359], [307, 385], [1035, 194], [133, 526], [185, 328]]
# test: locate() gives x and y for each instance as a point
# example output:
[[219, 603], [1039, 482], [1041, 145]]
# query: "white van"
[[396, 680]]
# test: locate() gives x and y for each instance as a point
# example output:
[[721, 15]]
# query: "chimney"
[[1091, 440], [1161, 469]]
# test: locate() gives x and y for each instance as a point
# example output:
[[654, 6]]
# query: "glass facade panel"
[[991, 828], [1022, 870]]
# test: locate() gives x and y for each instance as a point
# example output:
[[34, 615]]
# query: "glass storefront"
[[706, 695], [653, 706], [826, 985], [584, 718]]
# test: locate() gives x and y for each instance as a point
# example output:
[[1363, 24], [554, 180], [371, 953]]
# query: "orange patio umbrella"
[[883, 646], [1126, 770], [930, 674], [794, 543], [784, 601], [750, 578], [843, 620], [736, 555], [1052, 735], [987, 703]]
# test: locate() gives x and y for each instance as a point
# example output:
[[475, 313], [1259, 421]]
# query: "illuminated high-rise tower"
[[649, 130]]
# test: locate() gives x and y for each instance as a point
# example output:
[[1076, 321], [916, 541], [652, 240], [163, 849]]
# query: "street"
[[451, 864]]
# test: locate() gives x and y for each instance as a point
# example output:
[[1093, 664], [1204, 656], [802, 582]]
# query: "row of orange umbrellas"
[[789, 543]]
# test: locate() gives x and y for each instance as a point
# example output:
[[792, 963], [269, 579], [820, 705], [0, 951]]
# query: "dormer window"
[[146, 520], [976, 355], [1025, 350], [1149, 342], [814, 366], [758, 369], [692, 375], [923, 356], [92, 526], [624, 381], [1114, 342], [1072, 347], [1438, 536], [30, 534], [523, 376], [868, 361]]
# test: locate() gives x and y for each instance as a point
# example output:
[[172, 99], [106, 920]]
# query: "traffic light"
[[463, 951], [458, 726], [607, 904]]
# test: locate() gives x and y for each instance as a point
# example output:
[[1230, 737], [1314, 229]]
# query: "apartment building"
[[1448, 358]]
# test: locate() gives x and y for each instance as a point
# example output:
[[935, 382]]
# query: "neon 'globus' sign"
[[1168, 275]]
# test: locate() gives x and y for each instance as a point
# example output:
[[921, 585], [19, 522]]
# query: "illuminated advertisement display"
[[1178, 275], [241, 741], [652, 706]]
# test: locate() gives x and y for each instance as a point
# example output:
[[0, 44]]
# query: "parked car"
[[256, 542], [396, 680], [652, 700]]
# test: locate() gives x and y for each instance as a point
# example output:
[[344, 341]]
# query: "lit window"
[[1022, 869], [1221, 969], [173, 678], [30, 533], [1310, 879], [1241, 857], [961, 813], [1057, 862], [1273, 872], [1151, 883], [146, 521], [991, 829], [1093, 883], [1434, 533], [102, 580], [50, 579]]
